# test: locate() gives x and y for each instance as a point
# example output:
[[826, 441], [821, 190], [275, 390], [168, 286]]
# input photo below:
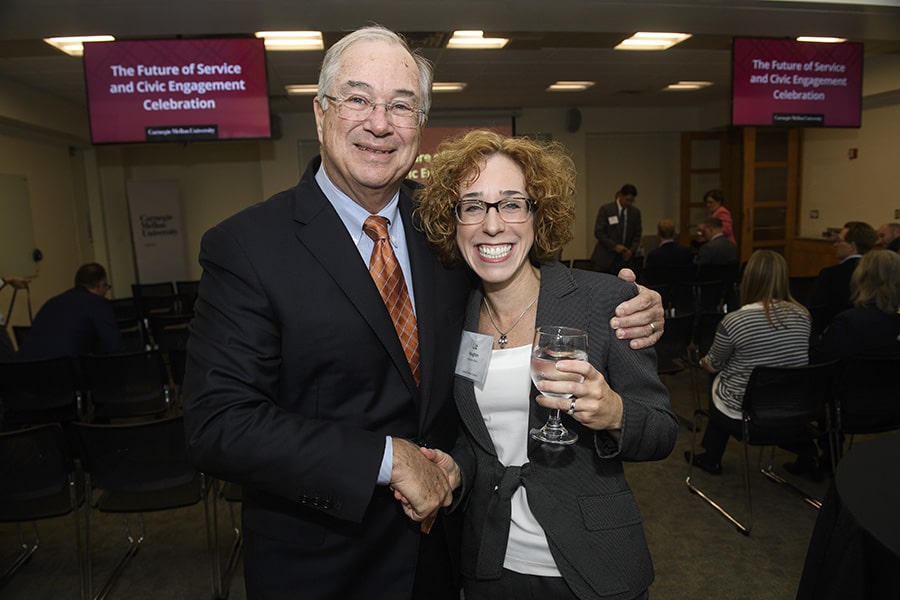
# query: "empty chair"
[[40, 391], [38, 482], [125, 309], [170, 334], [126, 385], [187, 291], [155, 298], [136, 468], [782, 405]]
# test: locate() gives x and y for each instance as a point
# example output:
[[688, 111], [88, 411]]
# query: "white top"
[[504, 403]]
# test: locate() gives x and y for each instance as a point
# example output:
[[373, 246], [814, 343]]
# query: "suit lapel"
[[464, 389], [321, 231]]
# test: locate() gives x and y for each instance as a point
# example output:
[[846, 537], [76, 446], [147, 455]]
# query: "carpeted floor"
[[696, 553]]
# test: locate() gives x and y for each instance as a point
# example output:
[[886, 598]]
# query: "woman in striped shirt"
[[770, 329]]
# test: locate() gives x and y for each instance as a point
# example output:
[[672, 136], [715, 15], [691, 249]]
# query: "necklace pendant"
[[502, 341]]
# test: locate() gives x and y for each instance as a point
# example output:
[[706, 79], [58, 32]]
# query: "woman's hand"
[[594, 403]]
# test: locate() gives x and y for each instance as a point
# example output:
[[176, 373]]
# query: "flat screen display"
[[177, 90], [787, 83]]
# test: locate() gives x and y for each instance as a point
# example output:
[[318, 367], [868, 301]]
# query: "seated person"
[[77, 322], [872, 326], [669, 254], [889, 236], [831, 290], [718, 249], [770, 329]]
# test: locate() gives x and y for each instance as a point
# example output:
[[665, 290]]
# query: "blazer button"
[[326, 504], [304, 499]]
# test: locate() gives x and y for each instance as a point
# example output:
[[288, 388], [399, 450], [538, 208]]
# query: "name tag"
[[614, 220], [474, 356]]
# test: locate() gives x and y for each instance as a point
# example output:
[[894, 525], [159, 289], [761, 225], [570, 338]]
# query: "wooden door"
[[771, 189]]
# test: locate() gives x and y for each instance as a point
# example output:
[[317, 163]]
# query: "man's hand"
[[640, 319], [19, 283], [421, 486]]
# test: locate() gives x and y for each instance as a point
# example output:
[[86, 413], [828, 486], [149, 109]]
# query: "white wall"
[[80, 209]]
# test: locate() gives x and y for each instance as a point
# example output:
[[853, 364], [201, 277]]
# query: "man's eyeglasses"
[[360, 108], [511, 210]]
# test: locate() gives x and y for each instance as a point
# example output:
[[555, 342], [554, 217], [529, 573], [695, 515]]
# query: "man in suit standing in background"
[[618, 231], [298, 386]]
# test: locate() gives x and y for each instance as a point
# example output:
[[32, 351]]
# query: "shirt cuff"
[[387, 462]]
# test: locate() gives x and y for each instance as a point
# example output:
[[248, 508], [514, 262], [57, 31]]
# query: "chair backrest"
[[35, 472], [155, 298], [188, 291], [125, 385], [867, 396], [782, 403], [40, 391], [171, 335], [135, 457], [125, 309], [672, 347]]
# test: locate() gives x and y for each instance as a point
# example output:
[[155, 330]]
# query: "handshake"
[[423, 480]]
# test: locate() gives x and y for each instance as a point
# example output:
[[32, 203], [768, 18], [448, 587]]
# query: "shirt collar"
[[352, 214]]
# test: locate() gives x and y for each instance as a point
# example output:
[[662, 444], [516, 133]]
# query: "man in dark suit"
[[618, 231], [297, 385], [831, 290], [77, 322]]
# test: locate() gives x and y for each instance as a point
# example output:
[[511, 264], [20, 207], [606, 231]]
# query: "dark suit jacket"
[[717, 251], [831, 293], [608, 235], [73, 323], [578, 493], [670, 255], [857, 331], [295, 375]]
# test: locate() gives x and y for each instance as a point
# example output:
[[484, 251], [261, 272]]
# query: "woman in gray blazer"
[[559, 521]]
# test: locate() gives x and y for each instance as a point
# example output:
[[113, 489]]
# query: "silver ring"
[[652, 327], [571, 410]]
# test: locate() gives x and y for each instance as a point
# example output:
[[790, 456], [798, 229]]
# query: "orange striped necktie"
[[388, 276]]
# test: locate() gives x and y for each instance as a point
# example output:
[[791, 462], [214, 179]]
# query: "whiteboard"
[[16, 228]]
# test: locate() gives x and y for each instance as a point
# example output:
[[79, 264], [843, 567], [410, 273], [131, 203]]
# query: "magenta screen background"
[[117, 118], [754, 104]]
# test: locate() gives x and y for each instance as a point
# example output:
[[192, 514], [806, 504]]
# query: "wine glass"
[[552, 344]]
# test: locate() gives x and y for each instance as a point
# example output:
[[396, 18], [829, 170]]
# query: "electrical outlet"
[[814, 214], [897, 213]]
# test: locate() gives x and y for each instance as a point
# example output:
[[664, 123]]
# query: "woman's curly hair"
[[549, 182]]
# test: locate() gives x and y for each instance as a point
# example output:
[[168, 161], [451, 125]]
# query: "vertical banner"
[[156, 231]]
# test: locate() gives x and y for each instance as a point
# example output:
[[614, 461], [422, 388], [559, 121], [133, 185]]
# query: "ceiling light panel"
[[74, 45], [475, 40], [646, 40], [292, 40]]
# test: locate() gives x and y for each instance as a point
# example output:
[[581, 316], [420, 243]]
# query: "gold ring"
[[571, 410]]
